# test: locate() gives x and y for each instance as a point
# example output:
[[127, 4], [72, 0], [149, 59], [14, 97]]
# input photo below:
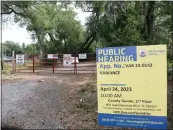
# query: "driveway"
[[32, 104]]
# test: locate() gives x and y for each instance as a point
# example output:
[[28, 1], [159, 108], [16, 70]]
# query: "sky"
[[12, 32]]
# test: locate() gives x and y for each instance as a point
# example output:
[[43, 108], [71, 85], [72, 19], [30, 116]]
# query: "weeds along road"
[[32, 102]]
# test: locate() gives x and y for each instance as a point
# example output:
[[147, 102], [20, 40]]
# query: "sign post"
[[132, 86]]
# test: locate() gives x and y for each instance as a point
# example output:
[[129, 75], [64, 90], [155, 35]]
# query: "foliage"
[[111, 23], [19, 49], [31, 49], [6, 68], [11, 46], [61, 27], [130, 23], [54, 26]]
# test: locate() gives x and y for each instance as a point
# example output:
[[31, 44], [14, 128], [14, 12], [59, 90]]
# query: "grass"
[[88, 103], [27, 65], [88, 95], [7, 69]]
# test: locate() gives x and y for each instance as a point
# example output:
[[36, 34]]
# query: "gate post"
[[13, 61], [53, 64], [74, 64], [33, 63], [75, 69]]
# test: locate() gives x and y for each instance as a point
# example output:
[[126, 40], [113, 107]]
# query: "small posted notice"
[[67, 59], [20, 59], [83, 56], [52, 56], [132, 86]]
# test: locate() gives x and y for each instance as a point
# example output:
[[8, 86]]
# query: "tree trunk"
[[41, 43], [85, 43], [89, 44], [150, 21], [53, 39], [65, 47]]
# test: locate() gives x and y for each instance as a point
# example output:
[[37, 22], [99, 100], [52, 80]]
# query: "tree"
[[129, 23], [111, 23], [12, 46], [53, 25], [32, 49], [171, 13], [23, 47]]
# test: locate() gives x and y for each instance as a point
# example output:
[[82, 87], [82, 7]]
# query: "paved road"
[[31, 104]]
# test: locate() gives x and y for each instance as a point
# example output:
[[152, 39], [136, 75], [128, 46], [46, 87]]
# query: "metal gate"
[[53, 63]]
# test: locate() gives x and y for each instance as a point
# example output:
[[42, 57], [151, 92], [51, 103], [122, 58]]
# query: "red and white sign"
[[67, 60]]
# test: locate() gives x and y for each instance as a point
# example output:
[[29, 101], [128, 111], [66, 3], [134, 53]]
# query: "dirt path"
[[31, 101], [31, 104], [52, 101], [36, 101]]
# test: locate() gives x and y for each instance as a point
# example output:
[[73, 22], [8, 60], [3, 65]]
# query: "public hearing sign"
[[132, 86]]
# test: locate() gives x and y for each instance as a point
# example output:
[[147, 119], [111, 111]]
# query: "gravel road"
[[32, 104]]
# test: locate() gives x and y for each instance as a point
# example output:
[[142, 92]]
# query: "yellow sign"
[[132, 86]]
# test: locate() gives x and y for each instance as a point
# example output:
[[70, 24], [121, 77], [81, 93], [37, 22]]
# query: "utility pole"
[[2, 53]]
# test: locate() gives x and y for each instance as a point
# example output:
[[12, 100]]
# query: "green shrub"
[[7, 69]]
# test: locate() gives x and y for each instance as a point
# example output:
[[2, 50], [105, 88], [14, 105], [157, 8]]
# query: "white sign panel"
[[51, 56], [20, 59], [67, 60], [82, 56]]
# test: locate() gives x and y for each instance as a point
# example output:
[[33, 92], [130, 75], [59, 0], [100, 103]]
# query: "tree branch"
[[12, 11], [85, 43], [89, 44], [7, 12]]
